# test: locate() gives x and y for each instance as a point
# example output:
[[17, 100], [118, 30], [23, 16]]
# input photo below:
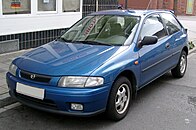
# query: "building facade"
[[181, 7], [90, 6], [30, 23]]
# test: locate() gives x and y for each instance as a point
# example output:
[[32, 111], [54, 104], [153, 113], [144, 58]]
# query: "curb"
[[192, 50], [7, 101], [4, 96]]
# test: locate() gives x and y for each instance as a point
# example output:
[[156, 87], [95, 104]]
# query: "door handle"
[[167, 45]]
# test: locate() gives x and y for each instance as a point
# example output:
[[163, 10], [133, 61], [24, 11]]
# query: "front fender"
[[115, 66]]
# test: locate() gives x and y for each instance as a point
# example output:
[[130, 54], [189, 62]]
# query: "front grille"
[[35, 77], [42, 103]]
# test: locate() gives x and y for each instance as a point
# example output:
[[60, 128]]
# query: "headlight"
[[12, 69], [94, 81], [80, 82]]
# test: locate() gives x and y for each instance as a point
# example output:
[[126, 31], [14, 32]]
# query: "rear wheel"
[[180, 69], [119, 100]]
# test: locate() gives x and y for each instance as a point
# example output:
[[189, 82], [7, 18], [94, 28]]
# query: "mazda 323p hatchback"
[[100, 63]]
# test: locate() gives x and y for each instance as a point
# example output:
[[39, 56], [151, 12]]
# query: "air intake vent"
[[35, 77]]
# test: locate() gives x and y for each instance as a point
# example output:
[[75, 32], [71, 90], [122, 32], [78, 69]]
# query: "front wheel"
[[119, 99], [180, 69]]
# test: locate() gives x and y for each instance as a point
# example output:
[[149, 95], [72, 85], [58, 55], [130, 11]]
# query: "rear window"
[[171, 23]]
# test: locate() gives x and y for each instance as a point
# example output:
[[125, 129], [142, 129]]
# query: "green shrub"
[[191, 45]]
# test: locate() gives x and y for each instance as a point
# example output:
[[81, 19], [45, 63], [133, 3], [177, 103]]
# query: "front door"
[[153, 58]]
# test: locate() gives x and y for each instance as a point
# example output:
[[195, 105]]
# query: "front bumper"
[[58, 100]]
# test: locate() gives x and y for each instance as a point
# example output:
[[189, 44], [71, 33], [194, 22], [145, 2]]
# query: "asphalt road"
[[165, 104]]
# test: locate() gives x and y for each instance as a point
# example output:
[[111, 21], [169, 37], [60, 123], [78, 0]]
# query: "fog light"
[[76, 106]]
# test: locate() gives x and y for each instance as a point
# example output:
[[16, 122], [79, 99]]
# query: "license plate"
[[30, 91]]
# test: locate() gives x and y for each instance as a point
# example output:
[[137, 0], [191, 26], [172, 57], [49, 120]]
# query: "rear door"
[[154, 58]]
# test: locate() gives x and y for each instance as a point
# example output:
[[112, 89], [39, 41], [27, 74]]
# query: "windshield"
[[102, 29]]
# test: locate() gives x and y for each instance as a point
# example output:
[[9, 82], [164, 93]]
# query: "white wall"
[[37, 21]]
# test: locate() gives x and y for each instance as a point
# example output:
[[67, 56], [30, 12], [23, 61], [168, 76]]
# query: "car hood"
[[60, 58]]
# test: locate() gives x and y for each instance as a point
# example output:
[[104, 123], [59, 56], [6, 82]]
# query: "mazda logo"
[[32, 76]]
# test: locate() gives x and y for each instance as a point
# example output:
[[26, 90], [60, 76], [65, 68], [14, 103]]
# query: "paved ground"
[[5, 60], [165, 104]]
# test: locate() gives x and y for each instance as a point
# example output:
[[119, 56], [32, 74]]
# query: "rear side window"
[[153, 26], [171, 23]]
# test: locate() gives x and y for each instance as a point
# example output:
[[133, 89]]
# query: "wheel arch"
[[131, 77], [185, 49]]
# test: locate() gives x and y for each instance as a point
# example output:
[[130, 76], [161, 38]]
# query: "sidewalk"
[[189, 23], [5, 59]]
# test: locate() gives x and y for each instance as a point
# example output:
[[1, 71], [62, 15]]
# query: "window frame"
[[1, 8], [154, 14], [14, 15], [46, 12], [71, 12]]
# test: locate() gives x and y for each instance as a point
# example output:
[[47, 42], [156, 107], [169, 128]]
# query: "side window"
[[153, 26], [171, 23]]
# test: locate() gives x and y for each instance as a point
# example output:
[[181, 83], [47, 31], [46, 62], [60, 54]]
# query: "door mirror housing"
[[148, 40]]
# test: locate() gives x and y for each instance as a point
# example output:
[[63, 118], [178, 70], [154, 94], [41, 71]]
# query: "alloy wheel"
[[122, 98]]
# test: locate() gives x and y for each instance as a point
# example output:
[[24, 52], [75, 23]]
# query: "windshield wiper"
[[83, 42], [92, 43]]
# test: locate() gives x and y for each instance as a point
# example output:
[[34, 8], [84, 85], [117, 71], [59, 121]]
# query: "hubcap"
[[122, 98], [183, 64]]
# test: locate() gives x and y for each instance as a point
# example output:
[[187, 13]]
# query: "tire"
[[180, 69], [119, 99]]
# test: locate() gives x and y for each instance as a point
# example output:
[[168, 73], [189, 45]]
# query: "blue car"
[[100, 63]]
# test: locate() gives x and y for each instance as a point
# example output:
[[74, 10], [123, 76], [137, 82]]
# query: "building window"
[[46, 5], [16, 7], [71, 5]]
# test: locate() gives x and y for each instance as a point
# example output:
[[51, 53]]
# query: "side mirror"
[[148, 40]]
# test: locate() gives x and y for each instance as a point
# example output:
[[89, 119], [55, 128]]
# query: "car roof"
[[129, 12]]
